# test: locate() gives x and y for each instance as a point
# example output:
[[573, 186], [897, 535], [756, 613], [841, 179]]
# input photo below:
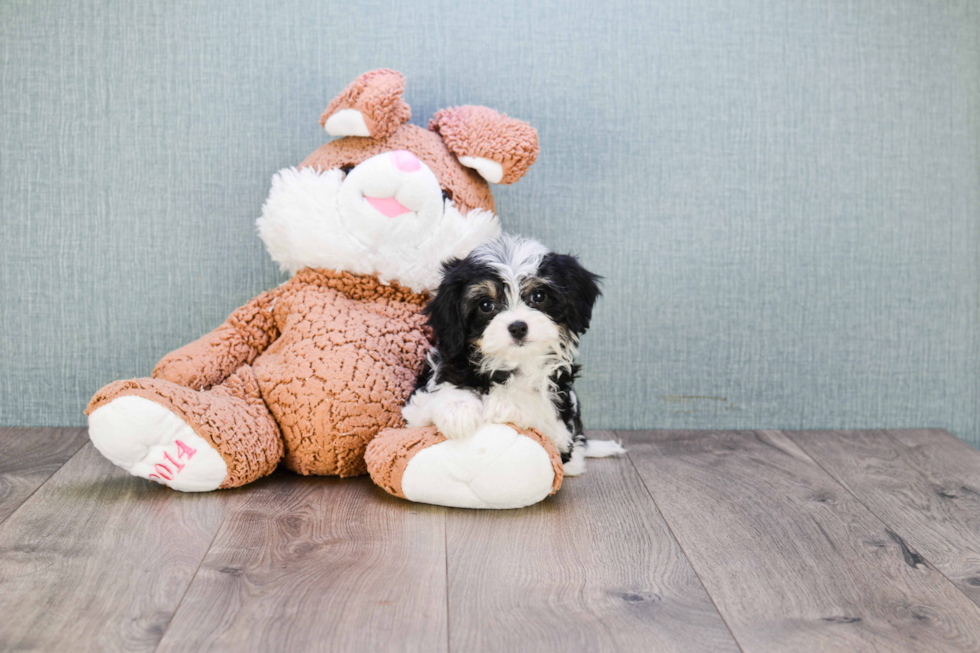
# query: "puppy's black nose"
[[518, 330]]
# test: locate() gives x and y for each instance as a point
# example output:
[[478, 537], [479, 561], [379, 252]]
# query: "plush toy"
[[499, 466], [307, 374]]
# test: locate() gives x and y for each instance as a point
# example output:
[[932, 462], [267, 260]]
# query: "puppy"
[[507, 321]]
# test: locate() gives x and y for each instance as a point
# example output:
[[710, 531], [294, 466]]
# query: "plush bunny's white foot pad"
[[497, 467], [149, 441]]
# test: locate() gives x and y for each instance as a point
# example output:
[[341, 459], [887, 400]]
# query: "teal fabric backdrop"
[[782, 195]]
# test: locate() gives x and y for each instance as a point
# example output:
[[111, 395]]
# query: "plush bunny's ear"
[[370, 106], [501, 149]]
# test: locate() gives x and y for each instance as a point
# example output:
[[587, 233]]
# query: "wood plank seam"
[[758, 493], [670, 529], [445, 552], [187, 589], [593, 568], [80, 543], [303, 563], [889, 528], [50, 476]]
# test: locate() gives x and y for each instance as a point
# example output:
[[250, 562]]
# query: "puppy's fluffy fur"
[[507, 320]]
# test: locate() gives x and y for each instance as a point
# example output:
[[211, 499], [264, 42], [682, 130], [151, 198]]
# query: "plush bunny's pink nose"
[[406, 161]]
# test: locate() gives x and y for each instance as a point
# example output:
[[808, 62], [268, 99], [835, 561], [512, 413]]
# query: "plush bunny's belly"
[[347, 358]]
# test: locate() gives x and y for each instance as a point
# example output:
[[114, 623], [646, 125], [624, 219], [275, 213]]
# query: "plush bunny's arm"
[[211, 359]]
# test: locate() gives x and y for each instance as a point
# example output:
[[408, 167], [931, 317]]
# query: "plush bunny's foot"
[[149, 441], [499, 466], [186, 439]]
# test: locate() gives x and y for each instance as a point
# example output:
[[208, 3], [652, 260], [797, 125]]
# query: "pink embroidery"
[[178, 465], [183, 448], [162, 470]]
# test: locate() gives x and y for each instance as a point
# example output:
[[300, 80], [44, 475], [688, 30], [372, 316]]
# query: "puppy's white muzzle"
[[504, 339]]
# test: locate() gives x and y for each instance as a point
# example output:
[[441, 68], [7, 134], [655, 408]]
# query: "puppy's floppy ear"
[[444, 311], [370, 106], [579, 288], [501, 149]]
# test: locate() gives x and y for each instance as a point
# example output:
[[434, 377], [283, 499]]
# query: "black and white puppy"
[[507, 321]]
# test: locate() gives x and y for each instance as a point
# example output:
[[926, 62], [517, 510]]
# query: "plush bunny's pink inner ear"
[[501, 149], [370, 106]]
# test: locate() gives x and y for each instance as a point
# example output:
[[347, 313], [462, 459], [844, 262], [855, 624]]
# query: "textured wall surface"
[[782, 196]]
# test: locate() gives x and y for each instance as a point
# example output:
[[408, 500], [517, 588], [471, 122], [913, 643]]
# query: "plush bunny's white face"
[[386, 216], [391, 197]]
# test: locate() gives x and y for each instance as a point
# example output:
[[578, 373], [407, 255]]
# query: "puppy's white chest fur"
[[526, 401]]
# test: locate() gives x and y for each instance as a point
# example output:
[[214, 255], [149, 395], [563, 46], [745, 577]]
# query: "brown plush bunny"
[[308, 373]]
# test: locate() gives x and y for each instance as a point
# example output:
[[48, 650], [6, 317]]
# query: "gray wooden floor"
[[697, 541]]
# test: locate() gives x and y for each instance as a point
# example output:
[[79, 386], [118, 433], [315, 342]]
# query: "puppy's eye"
[[538, 297], [486, 306]]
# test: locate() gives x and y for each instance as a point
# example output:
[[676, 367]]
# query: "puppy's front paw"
[[576, 464], [415, 412], [458, 417]]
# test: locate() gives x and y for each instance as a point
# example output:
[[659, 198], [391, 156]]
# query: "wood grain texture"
[[792, 561], [319, 564], [28, 457], [592, 568], [803, 541], [98, 560], [925, 484]]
